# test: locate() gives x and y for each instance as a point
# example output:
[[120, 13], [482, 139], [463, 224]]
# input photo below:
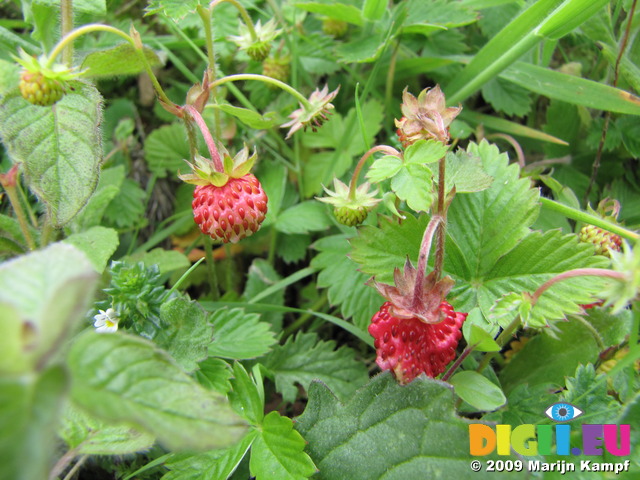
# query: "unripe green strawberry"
[[40, 90], [351, 216], [258, 51], [335, 28], [278, 68], [603, 240]]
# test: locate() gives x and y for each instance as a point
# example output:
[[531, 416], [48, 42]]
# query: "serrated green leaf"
[[119, 60], [414, 185], [31, 407], [305, 358], [185, 333], [239, 335], [545, 359], [588, 391], [383, 168], [48, 292], [345, 284], [278, 451], [294, 249], [249, 117], [305, 217], [387, 431], [97, 243], [424, 151], [60, 147], [214, 374], [91, 436], [465, 172], [477, 390], [361, 50], [111, 180], [125, 378], [244, 396], [339, 11], [507, 97], [212, 465], [166, 260], [165, 150], [127, 208]]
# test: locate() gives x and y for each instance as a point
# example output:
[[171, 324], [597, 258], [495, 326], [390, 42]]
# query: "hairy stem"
[[211, 145], [467, 351], [66, 25], [578, 272], [425, 248], [354, 178], [205, 15], [263, 78], [442, 212], [14, 199]]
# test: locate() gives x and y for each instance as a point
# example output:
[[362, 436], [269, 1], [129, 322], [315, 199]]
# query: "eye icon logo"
[[563, 412]]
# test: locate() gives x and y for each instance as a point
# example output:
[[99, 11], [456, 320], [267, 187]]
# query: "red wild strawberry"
[[409, 347], [230, 212]]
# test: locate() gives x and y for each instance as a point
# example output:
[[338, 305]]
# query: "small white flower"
[[106, 321]]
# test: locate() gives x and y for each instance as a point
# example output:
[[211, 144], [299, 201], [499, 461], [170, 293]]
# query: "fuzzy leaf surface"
[[92, 436], [119, 60], [239, 335], [387, 431], [345, 284], [305, 358], [126, 378], [60, 147], [278, 451], [186, 334]]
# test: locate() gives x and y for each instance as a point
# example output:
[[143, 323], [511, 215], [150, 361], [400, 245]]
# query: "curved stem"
[[262, 78], [66, 25], [514, 143], [585, 217], [378, 148], [243, 12], [96, 27], [211, 145], [442, 211], [578, 272], [425, 248]]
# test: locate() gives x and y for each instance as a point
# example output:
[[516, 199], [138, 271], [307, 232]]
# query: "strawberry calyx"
[[204, 171]]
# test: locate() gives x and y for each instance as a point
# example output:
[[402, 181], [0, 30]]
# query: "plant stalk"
[[263, 78], [467, 351], [425, 248], [354, 178], [243, 12], [9, 182], [204, 129], [442, 212], [578, 272], [66, 25]]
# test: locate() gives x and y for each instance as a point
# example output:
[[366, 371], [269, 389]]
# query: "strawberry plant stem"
[[263, 78], [458, 362], [425, 248], [243, 12], [10, 188], [502, 339], [205, 15], [578, 272], [442, 212], [354, 178], [204, 129], [585, 217], [66, 25]]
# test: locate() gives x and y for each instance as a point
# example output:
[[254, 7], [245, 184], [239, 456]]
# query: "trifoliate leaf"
[[424, 151], [413, 184], [239, 335], [126, 378], [387, 431], [185, 332], [383, 168], [278, 451], [346, 285], [305, 358]]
